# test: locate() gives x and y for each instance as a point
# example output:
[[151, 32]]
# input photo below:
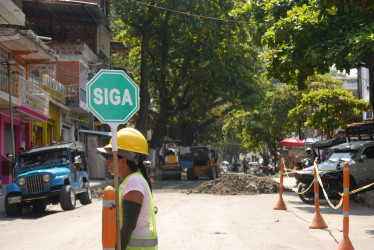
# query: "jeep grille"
[[34, 183]]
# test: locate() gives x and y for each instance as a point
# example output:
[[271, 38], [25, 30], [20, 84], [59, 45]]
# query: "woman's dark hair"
[[140, 166]]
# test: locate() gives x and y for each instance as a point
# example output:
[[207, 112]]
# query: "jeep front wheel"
[[12, 210], [86, 197], [67, 198]]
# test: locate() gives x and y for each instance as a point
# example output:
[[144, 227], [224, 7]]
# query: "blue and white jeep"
[[46, 175]]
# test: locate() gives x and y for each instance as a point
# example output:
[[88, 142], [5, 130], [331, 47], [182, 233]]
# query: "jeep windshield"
[[42, 158], [345, 155]]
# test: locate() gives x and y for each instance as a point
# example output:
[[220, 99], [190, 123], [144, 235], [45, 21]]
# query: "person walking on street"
[[161, 156], [236, 166], [137, 215], [245, 166]]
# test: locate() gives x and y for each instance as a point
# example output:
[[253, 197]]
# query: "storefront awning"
[[4, 158], [292, 142], [26, 114], [32, 112]]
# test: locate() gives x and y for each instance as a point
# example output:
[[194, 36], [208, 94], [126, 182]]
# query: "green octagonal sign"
[[112, 96]]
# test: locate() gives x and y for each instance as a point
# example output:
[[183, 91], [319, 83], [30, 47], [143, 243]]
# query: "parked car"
[[359, 155], [49, 174]]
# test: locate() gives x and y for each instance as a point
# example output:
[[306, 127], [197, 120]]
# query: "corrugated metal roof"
[[64, 11]]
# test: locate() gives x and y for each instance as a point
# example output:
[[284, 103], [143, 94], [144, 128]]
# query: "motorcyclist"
[[309, 159], [236, 166]]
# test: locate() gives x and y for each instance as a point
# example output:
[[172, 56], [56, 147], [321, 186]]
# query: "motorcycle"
[[225, 167], [303, 181], [305, 163], [332, 183], [235, 167]]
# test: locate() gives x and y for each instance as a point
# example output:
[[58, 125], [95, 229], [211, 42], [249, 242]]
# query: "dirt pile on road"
[[97, 191], [238, 185]]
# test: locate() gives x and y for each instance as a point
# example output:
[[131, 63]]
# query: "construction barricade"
[[280, 205], [317, 221]]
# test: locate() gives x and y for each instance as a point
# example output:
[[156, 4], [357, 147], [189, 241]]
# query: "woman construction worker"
[[137, 215]]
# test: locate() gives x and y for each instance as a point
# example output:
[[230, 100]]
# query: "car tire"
[[86, 197], [12, 210], [67, 198]]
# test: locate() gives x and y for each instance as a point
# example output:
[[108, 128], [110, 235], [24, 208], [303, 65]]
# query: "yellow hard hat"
[[130, 139]]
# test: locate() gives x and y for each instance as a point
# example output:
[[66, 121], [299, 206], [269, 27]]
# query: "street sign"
[[112, 96]]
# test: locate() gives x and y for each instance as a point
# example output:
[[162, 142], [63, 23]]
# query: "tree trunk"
[[163, 117], [144, 93], [160, 128], [371, 83]]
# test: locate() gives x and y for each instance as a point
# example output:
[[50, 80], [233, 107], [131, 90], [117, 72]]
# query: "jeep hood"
[[53, 171]]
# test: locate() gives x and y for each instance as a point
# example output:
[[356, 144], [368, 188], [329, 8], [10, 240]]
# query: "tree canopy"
[[263, 127], [328, 105], [309, 36], [192, 70]]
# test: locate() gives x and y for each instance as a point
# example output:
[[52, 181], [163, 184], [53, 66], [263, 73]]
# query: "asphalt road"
[[198, 221]]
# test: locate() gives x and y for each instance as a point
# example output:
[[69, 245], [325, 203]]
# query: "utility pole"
[[9, 63]]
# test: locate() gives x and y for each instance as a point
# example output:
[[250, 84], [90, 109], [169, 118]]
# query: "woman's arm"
[[131, 205]]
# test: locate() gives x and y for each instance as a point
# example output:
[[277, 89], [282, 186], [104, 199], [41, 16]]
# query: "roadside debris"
[[97, 191], [232, 184], [238, 185]]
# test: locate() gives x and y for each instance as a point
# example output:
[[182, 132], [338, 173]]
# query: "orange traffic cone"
[[345, 243], [280, 205], [317, 221], [109, 218]]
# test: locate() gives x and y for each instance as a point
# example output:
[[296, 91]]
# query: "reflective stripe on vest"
[[137, 242], [141, 242]]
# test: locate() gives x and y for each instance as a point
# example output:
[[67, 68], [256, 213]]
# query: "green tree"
[[265, 126], [309, 36], [193, 66], [328, 105]]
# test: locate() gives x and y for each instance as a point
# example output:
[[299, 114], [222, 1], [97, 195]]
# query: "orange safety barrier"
[[280, 205], [317, 221], [345, 243], [109, 218]]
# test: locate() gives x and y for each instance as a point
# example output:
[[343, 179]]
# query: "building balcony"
[[4, 90], [33, 96], [29, 102]]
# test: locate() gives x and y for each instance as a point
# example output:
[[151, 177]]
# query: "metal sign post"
[[116, 183], [113, 98]]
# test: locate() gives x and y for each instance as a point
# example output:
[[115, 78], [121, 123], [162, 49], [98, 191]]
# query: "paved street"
[[199, 221]]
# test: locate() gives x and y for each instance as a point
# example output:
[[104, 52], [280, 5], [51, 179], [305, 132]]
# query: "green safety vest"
[[138, 243]]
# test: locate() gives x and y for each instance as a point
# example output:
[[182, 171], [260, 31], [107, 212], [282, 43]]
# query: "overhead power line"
[[189, 14]]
